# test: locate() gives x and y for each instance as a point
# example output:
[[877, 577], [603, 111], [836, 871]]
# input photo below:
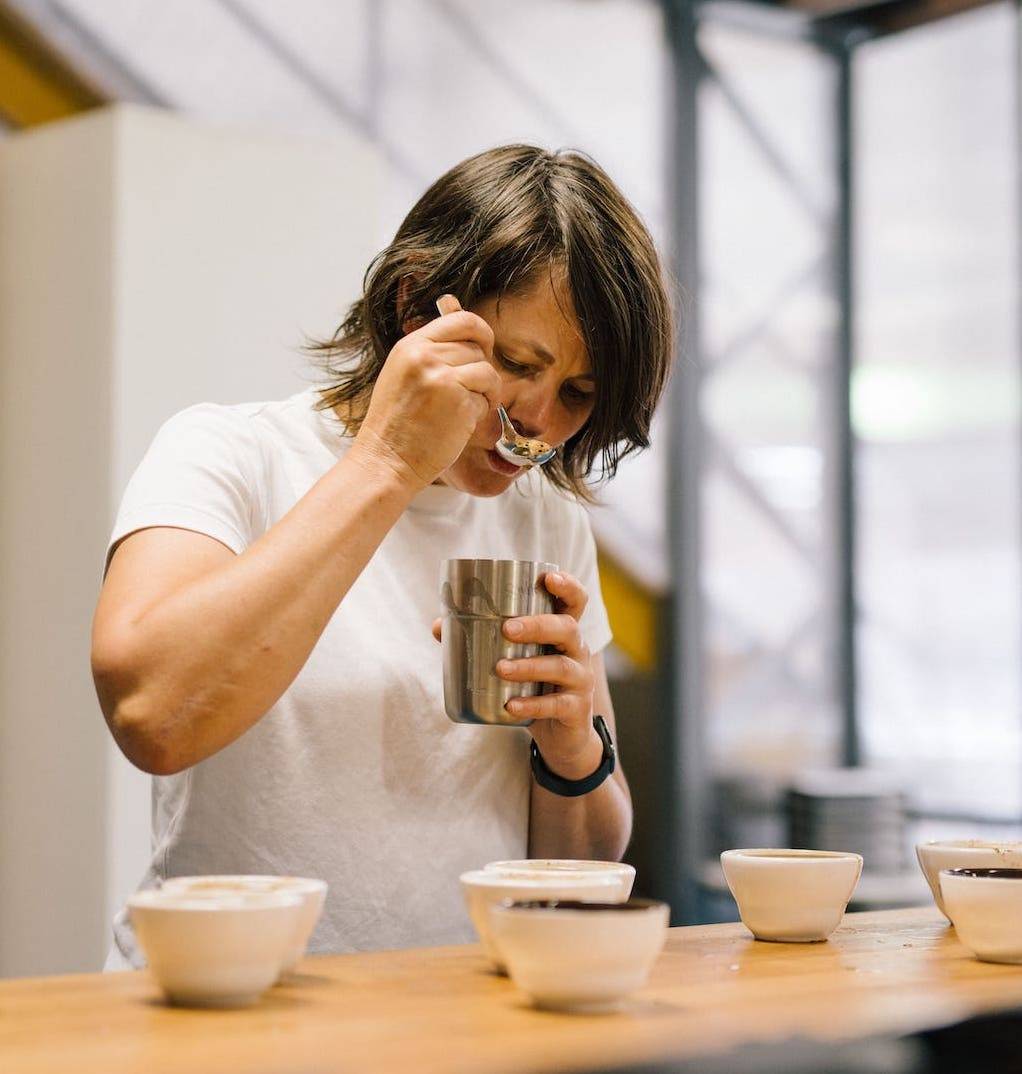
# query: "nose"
[[531, 408]]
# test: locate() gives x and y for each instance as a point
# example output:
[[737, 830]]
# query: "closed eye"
[[571, 392], [577, 396], [512, 366]]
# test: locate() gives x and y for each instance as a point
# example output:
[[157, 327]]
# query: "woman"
[[262, 639]]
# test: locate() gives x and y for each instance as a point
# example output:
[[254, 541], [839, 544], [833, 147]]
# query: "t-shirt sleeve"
[[202, 472], [578, 557]]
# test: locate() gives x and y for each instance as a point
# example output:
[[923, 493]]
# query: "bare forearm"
[[597, 825], [209, 660]]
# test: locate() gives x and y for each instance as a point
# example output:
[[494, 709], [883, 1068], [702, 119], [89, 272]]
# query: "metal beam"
[[780, 662], [844, 446], [716, 450], [895, 16], [760, 19], [681, 778], [326, 93], [823, 8], [465, 26], [768, 151], [375, 15], [79, 49], [831, 23], [760, 323]]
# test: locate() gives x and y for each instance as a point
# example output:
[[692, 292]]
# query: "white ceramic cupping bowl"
[[310, 891], [214, 950], [791, 896], [579, 957], [941, 854], [985, 906], [625, 873], [483, 889]]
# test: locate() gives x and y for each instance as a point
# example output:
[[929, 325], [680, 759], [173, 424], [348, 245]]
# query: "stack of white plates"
[[852, 809]]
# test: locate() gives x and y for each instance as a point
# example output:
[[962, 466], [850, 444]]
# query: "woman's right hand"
[[437, 384]]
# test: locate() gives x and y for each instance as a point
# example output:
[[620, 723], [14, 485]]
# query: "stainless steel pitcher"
[[478, 596]]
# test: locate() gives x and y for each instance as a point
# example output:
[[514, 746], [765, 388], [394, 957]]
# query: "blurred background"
[[813, 576]]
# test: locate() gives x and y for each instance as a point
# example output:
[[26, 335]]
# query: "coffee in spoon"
[[521, 450]]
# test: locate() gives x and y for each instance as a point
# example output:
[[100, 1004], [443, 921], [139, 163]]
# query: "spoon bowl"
[[518, 449]]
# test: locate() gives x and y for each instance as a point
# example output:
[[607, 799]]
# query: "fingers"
[[453, 353], [556, 669], [483, 379], [571, 595], [565, 707], [437, 623], [460, 327], [457, 325], [464, 352], [560, 631]]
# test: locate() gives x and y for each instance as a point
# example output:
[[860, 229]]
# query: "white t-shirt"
[[356, 774]]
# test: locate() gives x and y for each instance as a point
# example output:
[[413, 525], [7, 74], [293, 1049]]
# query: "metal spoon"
[[518, 449], [512, 446]]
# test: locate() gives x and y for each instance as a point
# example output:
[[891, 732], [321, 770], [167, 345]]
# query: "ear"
[[404, 294]]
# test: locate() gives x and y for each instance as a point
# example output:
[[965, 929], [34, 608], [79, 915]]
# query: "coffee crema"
[[987, 874], [586, 907], [797, 855]]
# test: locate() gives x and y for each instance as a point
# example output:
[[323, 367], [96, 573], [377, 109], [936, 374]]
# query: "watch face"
[[609, 756]]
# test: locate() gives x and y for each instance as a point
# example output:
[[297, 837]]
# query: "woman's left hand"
[[564, 720]]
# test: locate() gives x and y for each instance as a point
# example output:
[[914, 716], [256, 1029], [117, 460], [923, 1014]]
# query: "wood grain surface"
[[439, 1009]]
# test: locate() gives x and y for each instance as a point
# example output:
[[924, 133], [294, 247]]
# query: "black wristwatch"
[[574, 788]]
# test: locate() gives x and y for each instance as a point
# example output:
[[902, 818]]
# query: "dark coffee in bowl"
[[989, 874], [589, 907]]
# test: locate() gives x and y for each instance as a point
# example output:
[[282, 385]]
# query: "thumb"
[[447, 304]]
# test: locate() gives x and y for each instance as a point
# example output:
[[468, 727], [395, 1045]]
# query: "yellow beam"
[[634, 614], [36, 85]]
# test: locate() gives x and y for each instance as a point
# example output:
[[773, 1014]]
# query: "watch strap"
[[575, 788]]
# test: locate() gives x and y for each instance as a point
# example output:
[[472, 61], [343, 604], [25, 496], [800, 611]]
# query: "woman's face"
[[548, 384]]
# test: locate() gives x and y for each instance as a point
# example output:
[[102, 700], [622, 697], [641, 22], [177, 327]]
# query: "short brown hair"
[[491, 226]]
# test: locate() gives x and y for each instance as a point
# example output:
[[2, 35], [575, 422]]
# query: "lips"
[[502, 466]]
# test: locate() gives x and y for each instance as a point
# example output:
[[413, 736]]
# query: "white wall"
[[146, 263], [56, 367]]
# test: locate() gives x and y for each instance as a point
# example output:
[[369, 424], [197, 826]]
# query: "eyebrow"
[[548, 359]]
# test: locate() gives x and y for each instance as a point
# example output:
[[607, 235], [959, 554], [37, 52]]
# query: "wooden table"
[[438, 1009]]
